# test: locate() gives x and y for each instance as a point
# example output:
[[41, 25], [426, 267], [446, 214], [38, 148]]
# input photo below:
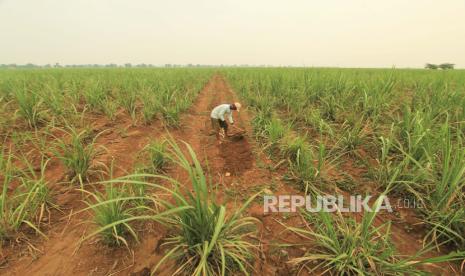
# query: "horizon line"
[[194, 65]]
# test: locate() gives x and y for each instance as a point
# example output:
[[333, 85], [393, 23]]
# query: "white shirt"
[[221, 110]]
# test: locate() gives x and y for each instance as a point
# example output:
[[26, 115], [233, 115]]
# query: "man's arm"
[[230, 118]]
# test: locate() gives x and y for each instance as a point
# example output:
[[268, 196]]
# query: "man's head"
[[236, 106]]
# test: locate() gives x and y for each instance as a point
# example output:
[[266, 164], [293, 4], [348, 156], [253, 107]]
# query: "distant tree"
[[431, 66], [445, 66], [128, 65], [57, 65]]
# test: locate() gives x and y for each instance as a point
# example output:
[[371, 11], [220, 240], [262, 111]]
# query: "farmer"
[[218, 120]]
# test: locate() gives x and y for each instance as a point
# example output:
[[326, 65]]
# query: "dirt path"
[[234, 157]]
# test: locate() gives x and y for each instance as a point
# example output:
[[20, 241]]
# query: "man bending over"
[[217, 117]]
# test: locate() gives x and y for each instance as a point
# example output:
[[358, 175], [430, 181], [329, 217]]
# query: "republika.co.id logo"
[[326, 203]]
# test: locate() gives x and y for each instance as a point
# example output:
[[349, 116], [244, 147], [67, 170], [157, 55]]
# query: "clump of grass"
[[127, 97], [329, 107], [78, 153], [54, 98], [353, 135], [118, 207], [5, 158], [306, 165], [170, 115], [110, 107], [260, 121], [385, 166], [150, 106], [5, 121], [95, 95], [206, 240], [342, 246], [5, 201], [275, 131], [138, 189], [415, 132], [27, 203], [30, 106], [293, 145], [157, 154], [437, 181], [113, 205]]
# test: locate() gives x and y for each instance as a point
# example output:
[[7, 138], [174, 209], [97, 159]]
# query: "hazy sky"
[[348, 33]]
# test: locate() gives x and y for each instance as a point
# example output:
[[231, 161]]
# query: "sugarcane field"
[[232, 138]]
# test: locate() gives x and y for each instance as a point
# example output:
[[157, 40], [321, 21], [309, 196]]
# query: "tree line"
[[443, 66], [110, 65]]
